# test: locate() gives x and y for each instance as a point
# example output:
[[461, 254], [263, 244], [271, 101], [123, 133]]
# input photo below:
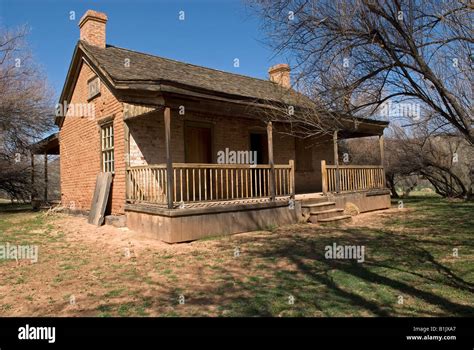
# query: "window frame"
[[107, 147], [90, 95]]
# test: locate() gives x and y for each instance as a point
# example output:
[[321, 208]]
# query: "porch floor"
[[212, 204]]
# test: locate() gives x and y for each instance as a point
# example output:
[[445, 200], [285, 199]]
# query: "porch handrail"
[[197, 182], [204, 165], [352, 177]]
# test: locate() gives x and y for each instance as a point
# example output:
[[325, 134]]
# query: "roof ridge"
[[191, 64]]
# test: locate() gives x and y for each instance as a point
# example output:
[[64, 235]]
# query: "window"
[[107, 147], [93, 86], [304, 155]]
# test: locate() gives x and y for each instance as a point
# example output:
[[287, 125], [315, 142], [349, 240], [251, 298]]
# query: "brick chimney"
[[92, 28], [280, 74]]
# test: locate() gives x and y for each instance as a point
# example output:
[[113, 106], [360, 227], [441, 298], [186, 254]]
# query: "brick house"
[[161, 125]]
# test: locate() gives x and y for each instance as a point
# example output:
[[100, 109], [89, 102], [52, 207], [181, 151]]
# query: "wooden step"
[[325, 214], [316, 207], [336, 219], [309, 201]]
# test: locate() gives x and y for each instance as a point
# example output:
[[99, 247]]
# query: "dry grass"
[[116, 272]]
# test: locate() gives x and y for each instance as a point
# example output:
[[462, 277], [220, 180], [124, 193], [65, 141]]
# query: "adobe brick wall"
[[312, 181], [147, 137], [147, 140], [79, 139]]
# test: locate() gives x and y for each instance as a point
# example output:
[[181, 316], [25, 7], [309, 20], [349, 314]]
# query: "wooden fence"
[[351, 177], [209, 182]]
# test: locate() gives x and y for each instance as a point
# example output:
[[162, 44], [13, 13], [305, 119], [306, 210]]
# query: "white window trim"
[[107, 147]]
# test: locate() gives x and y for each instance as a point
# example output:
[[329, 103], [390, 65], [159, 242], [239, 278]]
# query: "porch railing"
[[208, 182], [351, 177]]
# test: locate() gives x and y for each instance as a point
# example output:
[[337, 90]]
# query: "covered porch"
[[177, 190], [179, 185]]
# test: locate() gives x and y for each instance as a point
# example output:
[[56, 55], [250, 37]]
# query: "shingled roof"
[[149, 72]]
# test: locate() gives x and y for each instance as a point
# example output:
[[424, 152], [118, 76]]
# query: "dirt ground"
[[84, 270]]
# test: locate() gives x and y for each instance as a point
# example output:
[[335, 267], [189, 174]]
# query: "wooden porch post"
[[127, 160], [324, 176], [382, 158], [270, 160], [169, 161], [382, 153], [336, 160], [45, 177], [292, 179], [32, 175]]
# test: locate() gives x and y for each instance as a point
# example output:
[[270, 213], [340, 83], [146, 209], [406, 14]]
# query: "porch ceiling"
[[49, 145], [361, 127], [350, 127]]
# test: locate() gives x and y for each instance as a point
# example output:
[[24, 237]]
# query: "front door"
[[197, 149], [198, 144]]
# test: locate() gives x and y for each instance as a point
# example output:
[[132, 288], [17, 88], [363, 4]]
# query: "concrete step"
[[336, 219], [310, 195], [325, 214], [314, 200], [316, 207]]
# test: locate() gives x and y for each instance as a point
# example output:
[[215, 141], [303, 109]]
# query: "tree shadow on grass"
[[394, 253], [407, 250]]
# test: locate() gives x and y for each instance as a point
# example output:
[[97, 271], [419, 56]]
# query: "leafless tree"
[[25, 110], [399, 172], [357, 56], [446, 161], [415, 158]]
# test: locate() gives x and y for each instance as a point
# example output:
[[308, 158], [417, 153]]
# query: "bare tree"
[[445, 161], [360, 55], [25, 111], [414, 158]]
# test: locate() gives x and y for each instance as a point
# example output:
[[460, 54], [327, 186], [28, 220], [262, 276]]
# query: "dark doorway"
[[259, 143]]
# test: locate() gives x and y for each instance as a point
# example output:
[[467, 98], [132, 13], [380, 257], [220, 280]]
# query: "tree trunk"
[[391, 185]]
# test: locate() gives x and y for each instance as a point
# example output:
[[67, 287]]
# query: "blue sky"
[[213, 34]]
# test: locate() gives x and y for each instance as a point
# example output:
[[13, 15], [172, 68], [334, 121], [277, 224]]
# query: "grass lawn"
[[419, 261]]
